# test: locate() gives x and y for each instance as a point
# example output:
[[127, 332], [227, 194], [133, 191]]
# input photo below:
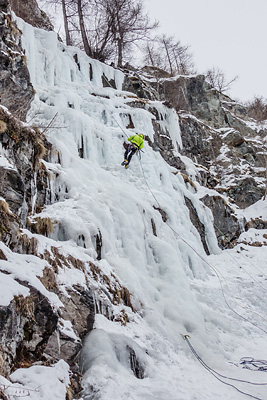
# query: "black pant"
[[130, 151]]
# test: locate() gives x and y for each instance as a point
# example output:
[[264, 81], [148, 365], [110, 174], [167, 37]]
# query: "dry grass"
[[4, 207], [122, 318], [3, 371], [187, 180], [20, 136], [2, 394], [25, 306], [49, 279], [3, 126], [5, 216], [69, 393], [29, 245], [2, 256], [40, 150], [42, 226]]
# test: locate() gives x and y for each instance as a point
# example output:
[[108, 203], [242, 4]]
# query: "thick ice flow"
[[173, 289]]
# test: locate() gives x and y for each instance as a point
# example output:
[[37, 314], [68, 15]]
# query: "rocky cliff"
[[220, 160], [16, 89], [227, 147], [31, 13]]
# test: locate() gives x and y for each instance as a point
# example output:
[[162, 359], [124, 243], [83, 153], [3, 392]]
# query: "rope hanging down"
[[230, 255], [246, 308], [247, 360], [202, 258], [125, 133], [219, 376], [121, 128], [181, 238]]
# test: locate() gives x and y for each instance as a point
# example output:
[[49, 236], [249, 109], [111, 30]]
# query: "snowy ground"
[[218, 300]]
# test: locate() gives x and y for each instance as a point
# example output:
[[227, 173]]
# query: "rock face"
[[226, 151], [194, 95], [226, 146], [24, 147], [32, 330], [26, 325], [16, 90], [197, 223], [29, 325], [227, 226], [246, 192], [35, 17]]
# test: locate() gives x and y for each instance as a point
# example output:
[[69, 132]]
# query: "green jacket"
[[137, 140]]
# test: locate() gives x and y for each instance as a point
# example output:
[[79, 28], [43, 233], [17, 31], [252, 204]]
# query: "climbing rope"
[[242, 255], [240, 265], [201, 257], [121, 128], [255, 365], [259, 283], [219, 376], [245, 361], [182, 239]]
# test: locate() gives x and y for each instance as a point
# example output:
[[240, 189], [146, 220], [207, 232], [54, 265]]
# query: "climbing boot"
[[124, 162], [126, 165]]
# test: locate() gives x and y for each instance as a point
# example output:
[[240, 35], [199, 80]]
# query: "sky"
[[228, 34]]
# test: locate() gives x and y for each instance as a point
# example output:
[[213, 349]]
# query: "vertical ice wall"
[[95, 194]]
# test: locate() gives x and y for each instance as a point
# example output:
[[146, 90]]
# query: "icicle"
[[24, 212], [58, 341], [34, 191]]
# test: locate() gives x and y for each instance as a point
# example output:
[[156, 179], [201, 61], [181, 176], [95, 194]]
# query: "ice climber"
[[136, 143]]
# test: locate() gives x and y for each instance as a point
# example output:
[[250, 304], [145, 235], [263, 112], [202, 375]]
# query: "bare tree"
[[128, 24], [66, 24], [69, 10], [168, 47], [257, 109], [216, 77], [87, 47], [107, 28], [170, 55], [265, 194]]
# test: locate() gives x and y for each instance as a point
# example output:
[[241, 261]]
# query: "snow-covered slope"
[[116, 219]]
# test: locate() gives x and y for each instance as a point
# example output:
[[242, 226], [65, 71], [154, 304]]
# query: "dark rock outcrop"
[[194, 95], [256, 223], [227, 227], [197, 223], [24, 176], [234, 138], [135, 84], [15, 86], [246, 192], [36, 17], [26, 325], [200, 142]]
